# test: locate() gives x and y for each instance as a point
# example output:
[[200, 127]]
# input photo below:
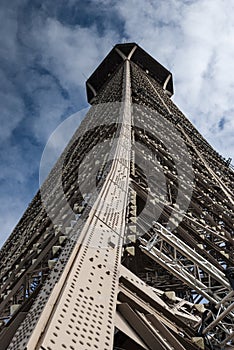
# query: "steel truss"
[[114, 261], [199, 274]]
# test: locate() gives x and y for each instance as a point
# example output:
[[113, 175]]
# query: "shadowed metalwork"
[[129, 242]]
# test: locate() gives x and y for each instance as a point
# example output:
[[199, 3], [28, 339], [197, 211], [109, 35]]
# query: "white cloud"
[[194, 39], [12, 107], [72, 52], [9, 217], [57, 142], [11, 114], [50, 104], [8, 20]]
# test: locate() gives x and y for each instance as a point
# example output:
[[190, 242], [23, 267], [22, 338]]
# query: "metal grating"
[[136, 250]]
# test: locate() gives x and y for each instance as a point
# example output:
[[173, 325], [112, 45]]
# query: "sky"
[[49, 48]]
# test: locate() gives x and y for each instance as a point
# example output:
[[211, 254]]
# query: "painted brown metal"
[[125, 266]]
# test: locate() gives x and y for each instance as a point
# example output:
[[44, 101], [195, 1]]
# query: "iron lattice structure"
[[129, 242]]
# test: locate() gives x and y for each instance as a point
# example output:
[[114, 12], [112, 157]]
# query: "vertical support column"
[[81, 312]]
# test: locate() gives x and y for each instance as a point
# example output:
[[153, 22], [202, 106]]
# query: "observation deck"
[[116, 57]]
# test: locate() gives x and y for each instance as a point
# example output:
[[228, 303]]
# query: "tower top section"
[[136, 54]]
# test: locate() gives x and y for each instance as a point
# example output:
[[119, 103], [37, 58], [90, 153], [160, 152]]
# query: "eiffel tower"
[[129, 242]]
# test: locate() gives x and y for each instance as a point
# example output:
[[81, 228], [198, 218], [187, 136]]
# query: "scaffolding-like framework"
[[129, 242]]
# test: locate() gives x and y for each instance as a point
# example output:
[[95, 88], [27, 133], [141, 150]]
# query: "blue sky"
[[48, 49]]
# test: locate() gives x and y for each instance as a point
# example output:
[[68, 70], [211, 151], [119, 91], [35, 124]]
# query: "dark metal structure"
[[129, 242]]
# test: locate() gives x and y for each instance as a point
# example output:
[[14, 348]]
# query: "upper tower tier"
[[136, 54]]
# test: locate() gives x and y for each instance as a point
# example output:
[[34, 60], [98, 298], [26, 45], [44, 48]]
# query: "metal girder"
[[152, 338], [193, 270], [125, 327], [173, 320], [96, 265], [169, 251], [70, 261], [177, 310]]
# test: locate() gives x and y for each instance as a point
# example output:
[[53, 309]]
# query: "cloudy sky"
[[48, 49]]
